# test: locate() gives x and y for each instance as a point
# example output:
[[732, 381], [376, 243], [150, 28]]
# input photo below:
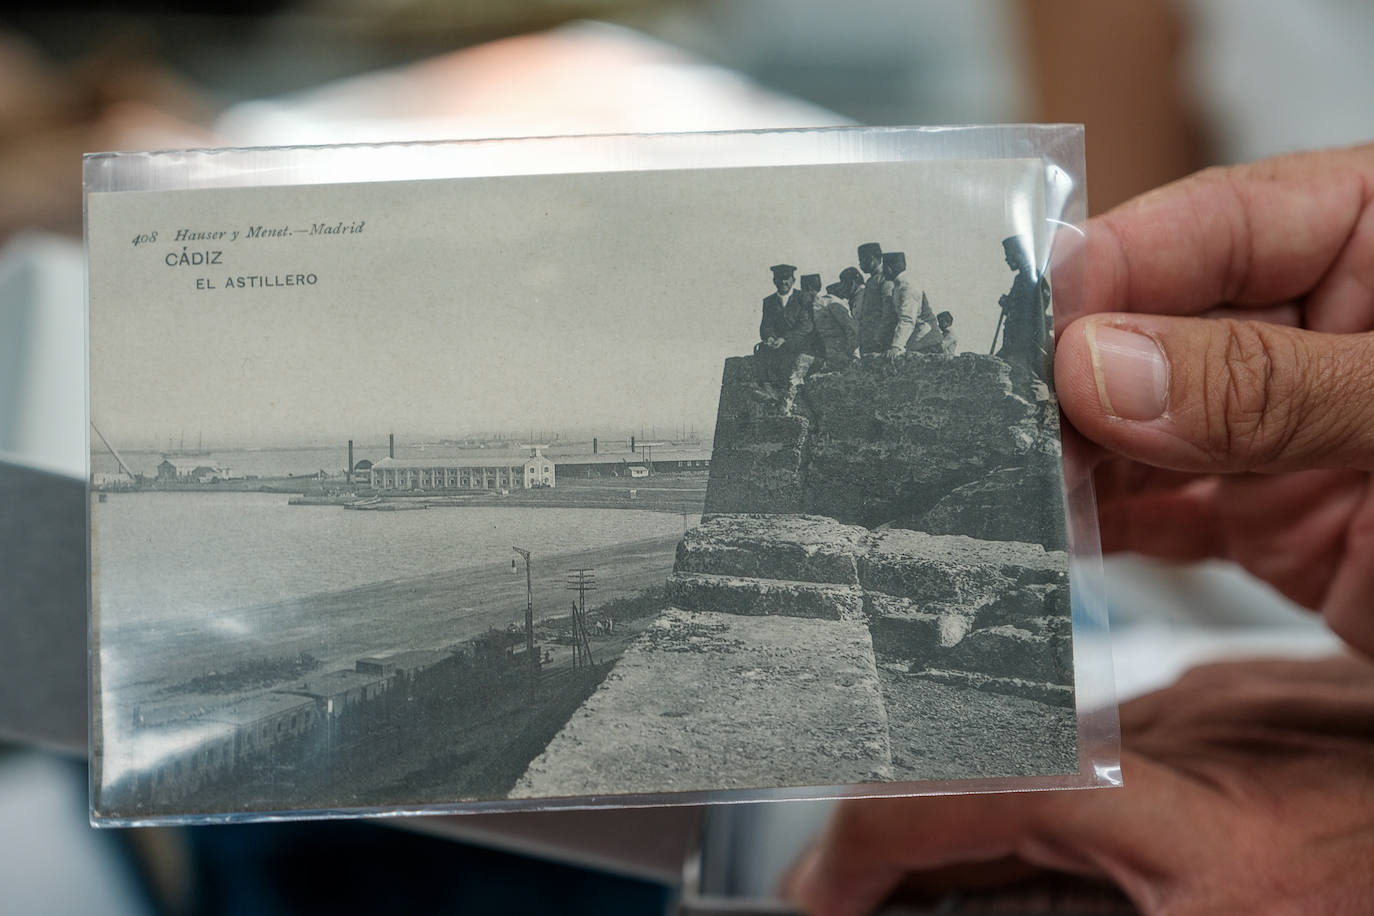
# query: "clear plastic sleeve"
[[835, 556]]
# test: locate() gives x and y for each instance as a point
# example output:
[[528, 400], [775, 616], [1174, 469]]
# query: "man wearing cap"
[[872, 306], [837, 332], [853, 281], [807, 297], [784, 332], [911, 318]]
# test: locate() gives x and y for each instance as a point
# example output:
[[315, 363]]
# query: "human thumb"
[[1215, 395]]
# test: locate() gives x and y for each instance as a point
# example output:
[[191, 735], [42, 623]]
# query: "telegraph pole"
[[530, 661], [581, 581]]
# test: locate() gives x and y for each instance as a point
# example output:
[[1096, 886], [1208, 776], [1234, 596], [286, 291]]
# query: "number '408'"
[[144, 237]]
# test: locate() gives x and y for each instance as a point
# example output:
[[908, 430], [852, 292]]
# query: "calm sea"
[[168, 556]]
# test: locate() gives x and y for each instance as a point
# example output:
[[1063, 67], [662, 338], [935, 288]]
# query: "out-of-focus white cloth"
[[43, 354], [1166, 619], [1276, 76], [52, 862], [585, 78]]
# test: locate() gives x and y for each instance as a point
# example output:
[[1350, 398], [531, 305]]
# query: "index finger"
[[1252, 235]]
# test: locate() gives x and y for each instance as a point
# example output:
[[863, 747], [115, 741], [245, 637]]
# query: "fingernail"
[[1131, 372]]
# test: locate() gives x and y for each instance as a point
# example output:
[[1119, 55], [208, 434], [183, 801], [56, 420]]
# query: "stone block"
[[753, 597], [1013, 652], [705, 701], [914, 633], [954, 569], [1010, 504], [1029, 606], [917, 393], [756, 465], [877, 483], [1040, 691], [913, 639], [800, 548]]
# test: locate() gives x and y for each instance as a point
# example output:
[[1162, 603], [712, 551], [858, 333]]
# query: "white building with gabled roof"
[[194, 469]]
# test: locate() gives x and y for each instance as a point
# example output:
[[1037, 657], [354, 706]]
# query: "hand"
[[855, 354], [1247, 790], [1222, 330], [1277, 377], [778, 342], [894, 352]]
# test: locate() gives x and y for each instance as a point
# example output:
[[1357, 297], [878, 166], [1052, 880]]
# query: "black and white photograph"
[[414, 494]]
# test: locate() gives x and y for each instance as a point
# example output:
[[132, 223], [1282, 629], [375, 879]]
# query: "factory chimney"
[[593, 445], [348, 474], [632, 443], [391, 446]]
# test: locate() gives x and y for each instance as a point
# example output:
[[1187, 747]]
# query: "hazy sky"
[[557, 301]]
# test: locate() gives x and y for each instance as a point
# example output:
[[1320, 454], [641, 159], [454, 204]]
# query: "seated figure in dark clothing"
[[784, 333], [808, 294]]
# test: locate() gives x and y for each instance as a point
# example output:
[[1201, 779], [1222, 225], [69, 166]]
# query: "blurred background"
[[1163, 87]]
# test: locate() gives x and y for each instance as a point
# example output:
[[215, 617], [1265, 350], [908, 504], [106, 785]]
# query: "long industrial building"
[[482, 472], [524, 472], [655, 459]]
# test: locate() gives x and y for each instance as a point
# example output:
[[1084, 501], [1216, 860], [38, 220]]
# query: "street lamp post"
[[530, 661]]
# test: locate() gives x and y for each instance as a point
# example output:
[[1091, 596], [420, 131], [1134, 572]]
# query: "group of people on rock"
[[884, 315]]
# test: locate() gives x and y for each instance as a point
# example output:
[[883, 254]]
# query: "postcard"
[[597, 488]]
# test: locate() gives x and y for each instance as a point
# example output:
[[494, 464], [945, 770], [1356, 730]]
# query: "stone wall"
[[945, 445], [991, 614]]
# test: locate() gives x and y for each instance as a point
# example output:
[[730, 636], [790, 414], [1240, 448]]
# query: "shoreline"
[[418, 612], [651, 498]]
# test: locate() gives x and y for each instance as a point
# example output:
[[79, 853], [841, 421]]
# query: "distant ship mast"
[[181, 451]]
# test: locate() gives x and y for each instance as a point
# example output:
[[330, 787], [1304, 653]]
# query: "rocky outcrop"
[[882, 442]]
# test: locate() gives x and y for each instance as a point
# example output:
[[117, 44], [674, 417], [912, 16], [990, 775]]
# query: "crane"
[[122, 466]]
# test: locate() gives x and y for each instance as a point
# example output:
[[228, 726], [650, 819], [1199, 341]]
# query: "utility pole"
[[581, 581], [530, 660]]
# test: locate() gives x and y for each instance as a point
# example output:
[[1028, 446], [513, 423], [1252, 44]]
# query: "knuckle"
[[1254, 393]]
